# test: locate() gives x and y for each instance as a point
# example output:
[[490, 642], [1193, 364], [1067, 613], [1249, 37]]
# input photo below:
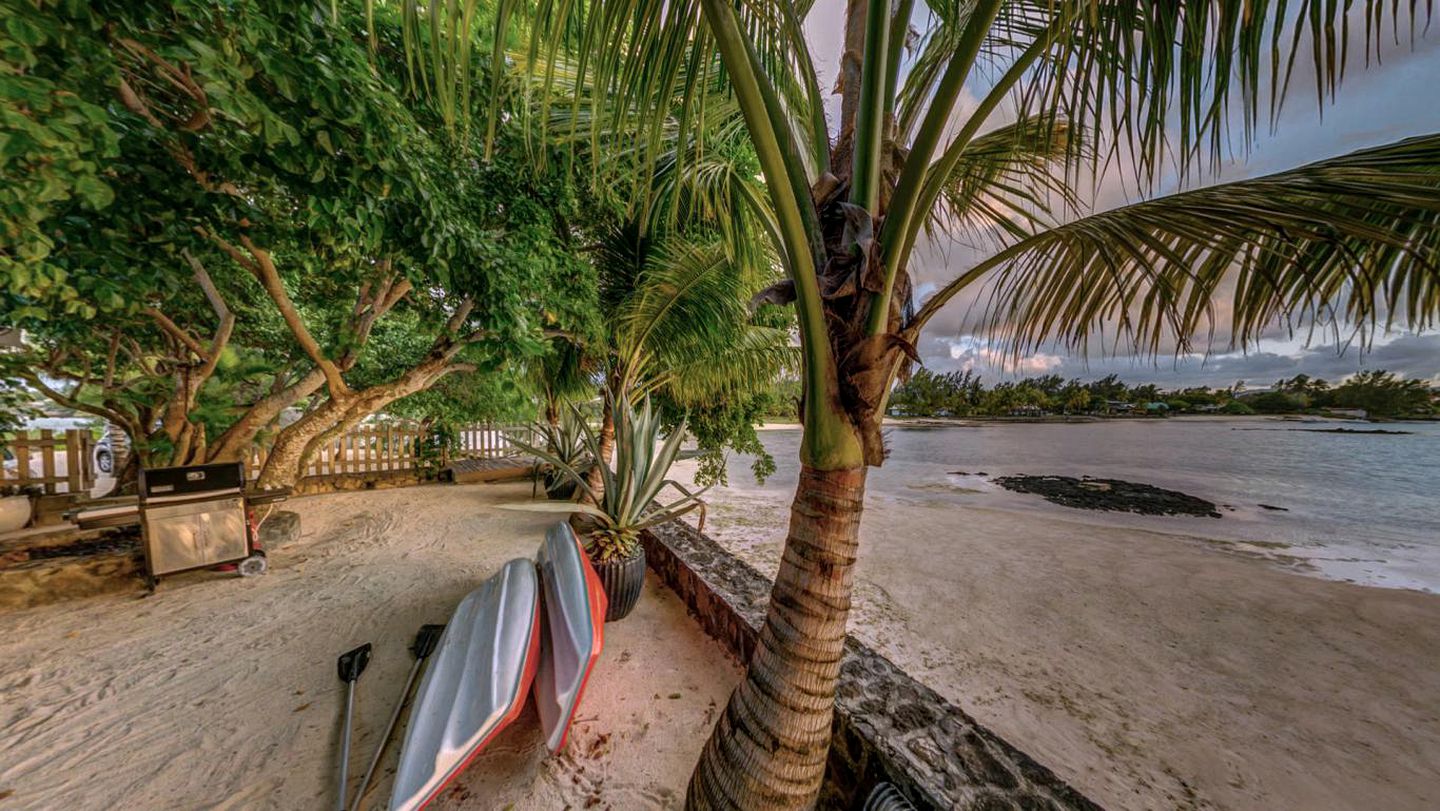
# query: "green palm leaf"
[[1009, 180], [1353, 240]]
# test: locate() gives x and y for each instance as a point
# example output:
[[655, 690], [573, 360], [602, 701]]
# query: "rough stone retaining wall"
[[888, 727], [69, 564]]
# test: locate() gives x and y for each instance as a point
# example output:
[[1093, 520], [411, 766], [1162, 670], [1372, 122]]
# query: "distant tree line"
[[962, 394]]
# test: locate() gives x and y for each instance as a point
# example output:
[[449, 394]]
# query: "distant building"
[[1118, 407], [1248, 393]]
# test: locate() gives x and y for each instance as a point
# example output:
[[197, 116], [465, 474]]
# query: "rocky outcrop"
[[1110, 494]]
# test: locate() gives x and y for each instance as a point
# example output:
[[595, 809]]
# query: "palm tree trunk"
[[607, 447], [769, 748]]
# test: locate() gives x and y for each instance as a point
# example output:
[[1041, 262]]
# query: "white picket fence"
[[393, 448]]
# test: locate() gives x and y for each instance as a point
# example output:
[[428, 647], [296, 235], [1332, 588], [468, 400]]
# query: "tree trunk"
[[234, 444], [769, 748], [607, 447], [282, 466]]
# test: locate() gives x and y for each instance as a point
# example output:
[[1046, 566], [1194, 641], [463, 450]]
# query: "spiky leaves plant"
[[632, 489], [1150, 82]]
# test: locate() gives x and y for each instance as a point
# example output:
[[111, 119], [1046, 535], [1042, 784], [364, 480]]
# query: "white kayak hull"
[[475, 684], [574, 631]]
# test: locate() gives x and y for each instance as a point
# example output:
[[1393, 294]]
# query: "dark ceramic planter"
[[623, 580], [559, 487]]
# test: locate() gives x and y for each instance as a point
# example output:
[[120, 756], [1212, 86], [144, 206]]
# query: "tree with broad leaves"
[[250, 154]]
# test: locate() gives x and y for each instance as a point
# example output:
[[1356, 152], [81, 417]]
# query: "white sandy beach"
[[1152, 671], [222, 693]]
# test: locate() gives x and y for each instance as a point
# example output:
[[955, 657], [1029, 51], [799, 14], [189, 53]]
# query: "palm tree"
[[676, 277], [1094, 81]]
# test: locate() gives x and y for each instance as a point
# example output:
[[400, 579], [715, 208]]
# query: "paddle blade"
[[352, 663], [426, 640]]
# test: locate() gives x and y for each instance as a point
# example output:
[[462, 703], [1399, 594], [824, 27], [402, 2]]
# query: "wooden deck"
[[507, 468]]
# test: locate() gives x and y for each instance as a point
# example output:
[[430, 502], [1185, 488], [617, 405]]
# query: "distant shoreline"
[[1062, 419]]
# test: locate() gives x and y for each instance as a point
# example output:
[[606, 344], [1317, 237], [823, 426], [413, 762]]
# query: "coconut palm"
[[677, 276], [1097, 82]]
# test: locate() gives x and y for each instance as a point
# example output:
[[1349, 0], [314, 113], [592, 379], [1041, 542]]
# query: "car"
[[104, 456]]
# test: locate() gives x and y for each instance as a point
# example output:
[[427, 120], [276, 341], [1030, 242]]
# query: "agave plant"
[[564, 439], [628, 499]]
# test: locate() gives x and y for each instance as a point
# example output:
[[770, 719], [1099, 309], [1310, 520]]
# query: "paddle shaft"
[[345, 742], [385, 739], [350, 665]]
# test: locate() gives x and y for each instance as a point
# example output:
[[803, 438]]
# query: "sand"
[[222, 693], [1150, 670]]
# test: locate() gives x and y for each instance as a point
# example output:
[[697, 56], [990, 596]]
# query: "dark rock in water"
[[282, 527], [981, 473], [1109, 494], [958, 473], [1273, 507], [1353, 431]]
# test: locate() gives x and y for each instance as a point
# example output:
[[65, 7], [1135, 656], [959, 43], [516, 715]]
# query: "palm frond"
[[755, 355], [1162, 78], [1009, 180], [1353, 241], [690, 300]]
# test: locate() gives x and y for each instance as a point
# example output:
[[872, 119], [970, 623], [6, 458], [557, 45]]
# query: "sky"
[[1375, 105]]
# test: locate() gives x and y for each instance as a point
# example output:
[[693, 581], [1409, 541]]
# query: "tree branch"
[[260, 265], [175, 331]]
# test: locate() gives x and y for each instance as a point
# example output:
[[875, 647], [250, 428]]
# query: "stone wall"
[[67, 564], [341, 482], [888, 727]]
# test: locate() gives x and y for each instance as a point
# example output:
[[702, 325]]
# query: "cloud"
[[1408, 354], [977, 354]]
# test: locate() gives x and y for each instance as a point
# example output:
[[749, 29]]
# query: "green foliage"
[[927, 394], [1274, 402], [17, 405], [1236, 408], [631, 499], [492, 393], [1383, 394], [128, 128], [438, 444], [565, 440], [720, 429]]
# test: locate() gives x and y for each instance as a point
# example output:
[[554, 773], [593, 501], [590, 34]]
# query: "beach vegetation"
[[224, 214], [1086, 82], [632, 495]]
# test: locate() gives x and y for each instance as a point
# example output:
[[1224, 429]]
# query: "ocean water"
[[1361, 508]]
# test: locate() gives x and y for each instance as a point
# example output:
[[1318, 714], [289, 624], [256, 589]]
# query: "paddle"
[[425, 641], [350, 665]]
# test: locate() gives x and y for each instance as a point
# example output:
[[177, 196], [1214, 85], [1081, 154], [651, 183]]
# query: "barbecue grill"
[[195, 518]]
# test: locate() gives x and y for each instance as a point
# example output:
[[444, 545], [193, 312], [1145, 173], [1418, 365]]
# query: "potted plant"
[[610, 521], [16, 506], [565, 441]]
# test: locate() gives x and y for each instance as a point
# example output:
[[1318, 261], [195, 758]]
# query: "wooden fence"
[[392, 448], [56, 462], [489, 441]]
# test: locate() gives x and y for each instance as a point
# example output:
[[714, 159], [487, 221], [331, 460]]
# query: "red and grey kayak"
[[476, 683], [574, 631]]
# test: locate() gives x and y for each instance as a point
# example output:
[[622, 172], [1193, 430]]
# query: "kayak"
[[574, 631], [476, 684]]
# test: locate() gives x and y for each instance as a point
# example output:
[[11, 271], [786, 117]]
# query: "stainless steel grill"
[[195, 518]]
